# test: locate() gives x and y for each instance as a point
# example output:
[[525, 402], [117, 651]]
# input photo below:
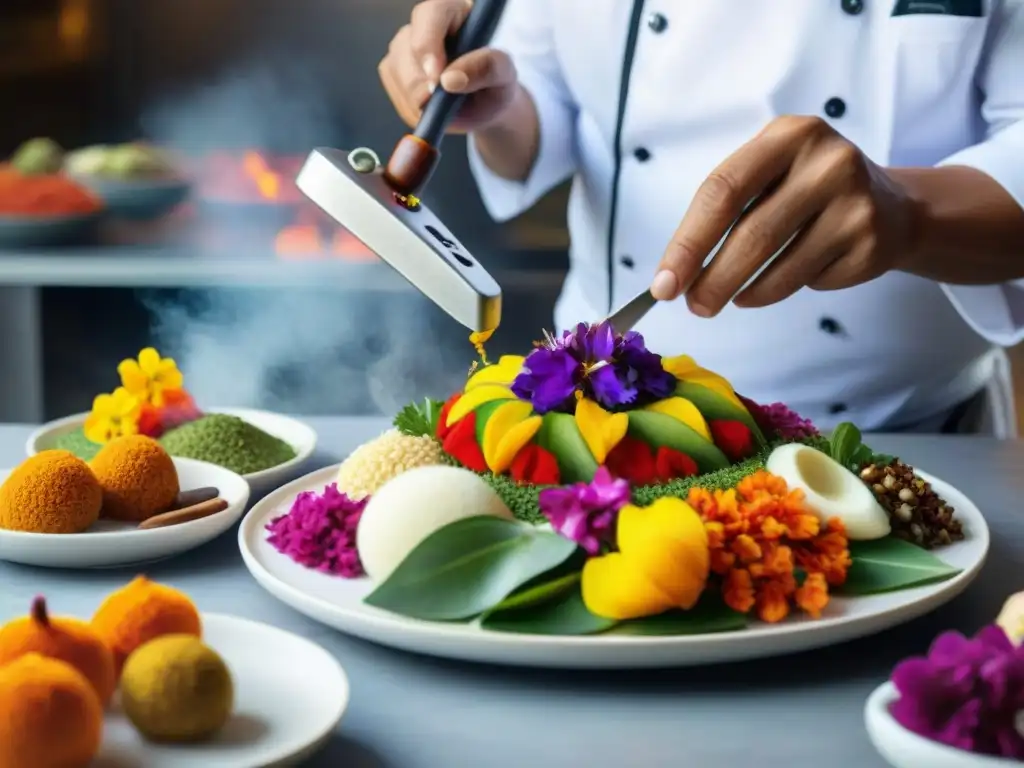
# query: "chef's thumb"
[[477, 71], [432, 22]]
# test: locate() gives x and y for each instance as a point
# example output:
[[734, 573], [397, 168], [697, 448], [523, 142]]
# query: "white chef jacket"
[[638, 101]]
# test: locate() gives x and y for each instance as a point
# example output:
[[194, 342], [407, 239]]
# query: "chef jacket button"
[[642, 154], [835, 107], [830, 325], [853, 7], [837, 408], [627, 262], [657, 23]]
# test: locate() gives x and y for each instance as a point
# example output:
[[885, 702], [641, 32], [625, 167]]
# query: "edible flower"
[[586, 512], [759, 534], [734, 438], [780, 420], [684, 368], [178, 408], [611, 369], [966, 693], [113, 415], [150, 376], [1011, 618], [662, 562], [601, 430], [535, 466]]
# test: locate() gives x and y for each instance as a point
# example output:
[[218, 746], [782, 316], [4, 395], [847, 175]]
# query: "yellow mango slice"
[[472, 400], [601, 430], [681, 409], [502, 372], [684, 368], [614, 589], [509, 428]]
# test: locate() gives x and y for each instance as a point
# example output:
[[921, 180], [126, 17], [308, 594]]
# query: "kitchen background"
[[262, 301]]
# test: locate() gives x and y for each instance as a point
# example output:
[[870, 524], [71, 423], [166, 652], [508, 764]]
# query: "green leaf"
[[844, 442], [891, 564], [467, 567], [563, 614], [547, 585], [419, 419], [709, 616], [861, 456]]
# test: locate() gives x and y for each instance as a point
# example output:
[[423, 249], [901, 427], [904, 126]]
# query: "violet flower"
[[780, 420], [592, 360], [586, 512], [966, 693]]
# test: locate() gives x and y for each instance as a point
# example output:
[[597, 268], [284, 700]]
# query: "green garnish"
[[847, 447], [419, 419]]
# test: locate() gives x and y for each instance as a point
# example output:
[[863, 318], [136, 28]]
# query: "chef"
[[877, 271]]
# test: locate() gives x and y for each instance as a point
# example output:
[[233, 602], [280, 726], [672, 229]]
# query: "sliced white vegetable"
[[831, 490], [408, 508]]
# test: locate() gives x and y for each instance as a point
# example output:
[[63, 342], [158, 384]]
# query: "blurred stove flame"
[[267, 181]]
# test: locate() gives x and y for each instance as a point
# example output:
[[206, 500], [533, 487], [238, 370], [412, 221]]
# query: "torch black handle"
[[475, 33]]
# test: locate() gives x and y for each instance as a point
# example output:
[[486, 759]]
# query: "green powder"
[[229, 442], [78, 444]]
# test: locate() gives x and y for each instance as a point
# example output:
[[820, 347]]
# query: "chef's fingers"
[[433, 21], [760, 234], [479, 70], [406, 108], [807, 256], [718, 203], [856, 266]]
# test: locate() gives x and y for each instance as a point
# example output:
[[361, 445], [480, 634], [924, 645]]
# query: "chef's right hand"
[[416, 63]]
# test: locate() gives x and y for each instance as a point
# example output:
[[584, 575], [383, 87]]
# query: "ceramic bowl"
[[47, 231], [137, 199], [904, 749]]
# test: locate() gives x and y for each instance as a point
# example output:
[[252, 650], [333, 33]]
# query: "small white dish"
[[290, 695], [338, 603], [904, 749], [110, 543], [297, 434]]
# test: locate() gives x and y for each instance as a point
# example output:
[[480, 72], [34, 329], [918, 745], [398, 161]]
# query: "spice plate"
[[46, 231], [276, 722], [298, 434], [338, 603], [137, 199], [110, 544]]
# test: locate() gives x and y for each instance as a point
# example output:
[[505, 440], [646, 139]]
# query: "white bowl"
[[905, 749], [111, 543], [297, 434]]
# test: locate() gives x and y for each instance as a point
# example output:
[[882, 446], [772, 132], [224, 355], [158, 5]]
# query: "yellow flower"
[[662, 563], [510, 427], [112, 416], [601, 430], [150, 376], [684, 368]]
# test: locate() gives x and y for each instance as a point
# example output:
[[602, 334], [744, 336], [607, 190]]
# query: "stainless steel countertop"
[[413, 712]]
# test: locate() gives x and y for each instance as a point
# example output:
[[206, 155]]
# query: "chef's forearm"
[[969, 230], [509, 145]]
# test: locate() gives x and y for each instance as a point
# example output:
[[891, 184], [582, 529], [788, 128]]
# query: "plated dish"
[[595, 504]]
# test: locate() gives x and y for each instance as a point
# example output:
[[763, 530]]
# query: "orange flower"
[[762, 539]]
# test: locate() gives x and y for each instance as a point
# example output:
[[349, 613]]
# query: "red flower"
[[632, 460], [178, 408], [670, 464], [149, 421], [733, 437], [460, 443], [442, 427], [535, 466]]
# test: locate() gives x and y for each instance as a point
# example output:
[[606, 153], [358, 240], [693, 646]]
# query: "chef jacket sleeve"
[[526, 34], [997, 312]]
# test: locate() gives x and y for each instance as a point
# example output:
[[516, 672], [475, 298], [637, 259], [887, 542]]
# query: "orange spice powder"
[[761, 534]]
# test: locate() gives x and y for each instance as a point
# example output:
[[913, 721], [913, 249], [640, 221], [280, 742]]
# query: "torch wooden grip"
[[415, 156]]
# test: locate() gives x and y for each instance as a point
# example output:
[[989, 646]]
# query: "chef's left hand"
[[849, 222]]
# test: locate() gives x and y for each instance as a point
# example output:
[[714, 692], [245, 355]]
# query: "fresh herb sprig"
[[846, 446], [419, 419]]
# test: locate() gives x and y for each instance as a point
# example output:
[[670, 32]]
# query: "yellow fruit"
[[176, 689]]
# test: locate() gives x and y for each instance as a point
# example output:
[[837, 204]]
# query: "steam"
[[291, 350]]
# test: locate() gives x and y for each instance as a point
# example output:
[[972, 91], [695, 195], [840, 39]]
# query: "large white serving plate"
[[297, 434], [338, 603]]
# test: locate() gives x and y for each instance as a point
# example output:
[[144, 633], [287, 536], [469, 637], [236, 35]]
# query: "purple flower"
[[779, 420], [586, 512], [615, 371], [966, 693]]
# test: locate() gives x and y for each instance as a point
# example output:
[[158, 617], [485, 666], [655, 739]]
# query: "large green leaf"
[[555, 609], [709, 616], [467, 567], [890, 564]]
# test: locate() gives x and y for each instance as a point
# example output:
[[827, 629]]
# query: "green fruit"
[[483, 413], [38, 156], [714, 407], [559, 436], [657, 429], [176, 689]]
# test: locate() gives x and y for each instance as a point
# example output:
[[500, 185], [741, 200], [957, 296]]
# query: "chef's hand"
[[416, 63], [848, 221]]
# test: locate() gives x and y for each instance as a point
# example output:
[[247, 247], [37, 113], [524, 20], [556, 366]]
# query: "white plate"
[[283, 712], [110, 543], [903, 749], [297, 434], [338, 603]]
